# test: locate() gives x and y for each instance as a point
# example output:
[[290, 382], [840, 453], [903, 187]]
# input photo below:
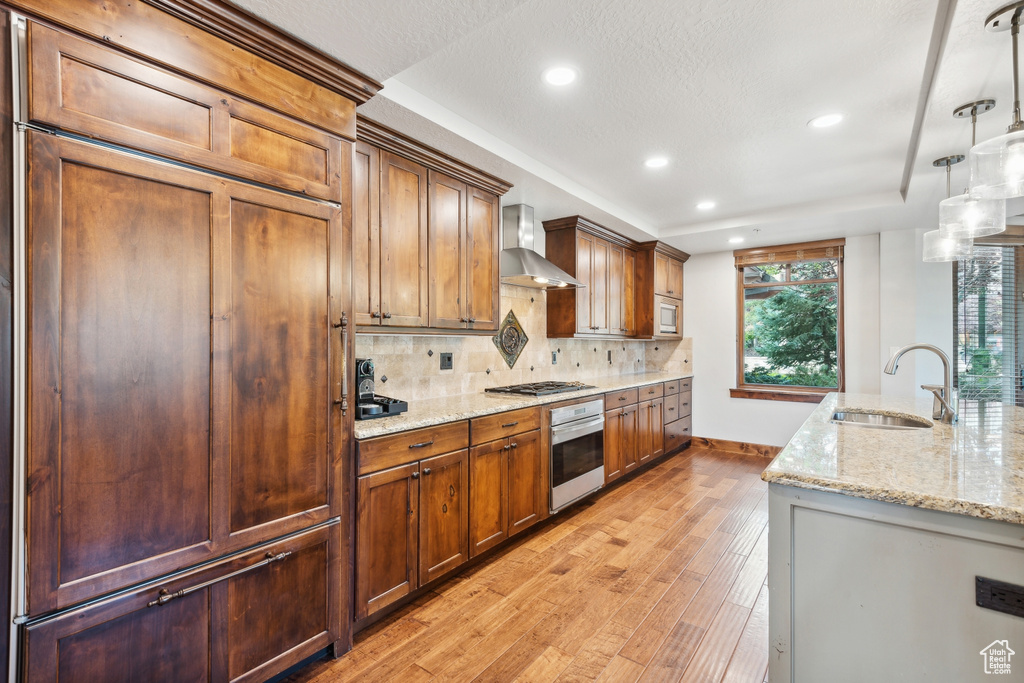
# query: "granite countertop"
[[427, 413], [974, 468]]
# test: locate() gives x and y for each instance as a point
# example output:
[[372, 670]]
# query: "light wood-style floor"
[[660, 579]]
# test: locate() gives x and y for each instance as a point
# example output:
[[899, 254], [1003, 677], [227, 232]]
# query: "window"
[[989, 362], [790, 321]]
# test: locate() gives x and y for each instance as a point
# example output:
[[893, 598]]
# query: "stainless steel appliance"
[[577, 452], [540, 388], [372, 405], [668, 316]]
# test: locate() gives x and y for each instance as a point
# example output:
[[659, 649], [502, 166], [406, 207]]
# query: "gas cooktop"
[[541, 388]]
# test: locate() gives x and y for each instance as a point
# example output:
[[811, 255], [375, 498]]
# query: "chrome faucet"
[[941, 408]]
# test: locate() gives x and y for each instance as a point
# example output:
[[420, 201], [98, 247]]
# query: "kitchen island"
[[878, 538]]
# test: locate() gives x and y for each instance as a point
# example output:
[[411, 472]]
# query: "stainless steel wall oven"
[[577, 452]]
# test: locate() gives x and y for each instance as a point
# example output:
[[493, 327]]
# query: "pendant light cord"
[[1014, 30]]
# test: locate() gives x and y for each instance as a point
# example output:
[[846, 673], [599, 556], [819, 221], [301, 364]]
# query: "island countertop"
[[429, 412], [975, 467]]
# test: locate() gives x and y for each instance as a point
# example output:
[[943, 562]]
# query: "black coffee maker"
[[370, 405]]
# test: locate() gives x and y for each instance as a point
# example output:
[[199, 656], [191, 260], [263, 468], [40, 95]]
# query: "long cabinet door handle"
[[343, 324], [166, 596], [422, 445], [510, 424]]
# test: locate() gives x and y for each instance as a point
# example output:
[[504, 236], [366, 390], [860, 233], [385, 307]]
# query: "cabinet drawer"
[[685, 404], [672, 387], [649, 391], [671, 408], [484, 429], [616, 399], [686, 384], [110, 96], [399, 449], [677, 434], [246, 618]]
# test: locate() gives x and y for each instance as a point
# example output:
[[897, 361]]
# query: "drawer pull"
[[671, 408], [622, 398], [510, 424], [166, 596], [686, 404], [422, 445]]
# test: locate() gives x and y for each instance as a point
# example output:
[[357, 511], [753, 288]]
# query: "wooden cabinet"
[[620, 433], [411, 528], [181, 364], [427, 241], [650, 439], [606, 264], [403, 242], [678, 410], [463, 252], [659, 291], [506, 478], [242, 619]]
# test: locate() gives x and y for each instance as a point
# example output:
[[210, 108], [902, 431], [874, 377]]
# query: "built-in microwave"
[[667, 311]]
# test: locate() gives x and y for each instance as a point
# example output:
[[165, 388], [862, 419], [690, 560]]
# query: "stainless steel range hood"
[[520, 264]]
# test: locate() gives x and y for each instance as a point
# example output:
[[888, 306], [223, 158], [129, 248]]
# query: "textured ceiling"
[[724, 89]]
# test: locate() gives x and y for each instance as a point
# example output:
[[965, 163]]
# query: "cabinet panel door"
[[629, 293], [387, 538], [599, 288], [526, 500], [585, 274], [488, 495], [366, 234], [645, 438], [616, 264], [675, 278], [657, 427], [282, 612], [444, 514], [403, 242], [661, 274], [280, 394], [613, 437], [447, 251], [95, 91], [483, 246], [119, 370], [630, 437]]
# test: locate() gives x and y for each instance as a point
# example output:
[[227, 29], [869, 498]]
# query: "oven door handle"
[[566, 432]]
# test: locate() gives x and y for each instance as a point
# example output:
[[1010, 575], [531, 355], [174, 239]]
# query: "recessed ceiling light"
[[656, 162], [825, 121], [735, 240], [706, 205], [560, 75]]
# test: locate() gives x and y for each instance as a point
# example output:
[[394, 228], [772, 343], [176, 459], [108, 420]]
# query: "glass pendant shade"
[[963, 217], [939, 248], [997, 167]]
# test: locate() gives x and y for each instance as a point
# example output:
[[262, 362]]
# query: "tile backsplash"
[[414, 374]]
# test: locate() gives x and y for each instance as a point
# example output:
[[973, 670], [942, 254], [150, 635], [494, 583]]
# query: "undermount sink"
[[879, 420]]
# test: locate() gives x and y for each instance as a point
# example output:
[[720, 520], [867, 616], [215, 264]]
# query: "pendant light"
[[997, 165], [936, 247], [962, 216]]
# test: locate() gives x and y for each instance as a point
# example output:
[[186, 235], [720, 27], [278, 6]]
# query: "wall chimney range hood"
[[520, 264]]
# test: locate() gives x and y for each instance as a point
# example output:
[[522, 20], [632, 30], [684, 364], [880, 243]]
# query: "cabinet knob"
[[415, 475], [505, 447], [387, 316], [426, 471], [472, 320], [515, 445], [375, 314]]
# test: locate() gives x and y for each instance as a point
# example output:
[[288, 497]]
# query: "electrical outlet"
[[446, 361], [999, 596], [609, 355], [554, 358]]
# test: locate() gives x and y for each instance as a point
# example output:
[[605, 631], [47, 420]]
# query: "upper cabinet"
[[605, 263], [659, 291], [425, 232]]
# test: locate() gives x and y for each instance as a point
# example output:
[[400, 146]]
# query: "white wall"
[[892, 299]]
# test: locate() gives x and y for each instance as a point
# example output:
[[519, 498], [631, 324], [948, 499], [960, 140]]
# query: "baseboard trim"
[[741, 447]]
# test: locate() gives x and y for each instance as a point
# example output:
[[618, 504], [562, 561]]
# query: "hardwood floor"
[[660, 579]]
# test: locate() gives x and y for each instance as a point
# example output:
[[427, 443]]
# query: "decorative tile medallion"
[[510, 340]]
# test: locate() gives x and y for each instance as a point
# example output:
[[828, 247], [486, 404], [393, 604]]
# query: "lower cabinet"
[[411, 528], [620, 441], [678, 410], [505, 486], [651, 439], [247, 618]]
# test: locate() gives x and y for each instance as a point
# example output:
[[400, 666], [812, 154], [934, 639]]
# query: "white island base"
[[863, 590]]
